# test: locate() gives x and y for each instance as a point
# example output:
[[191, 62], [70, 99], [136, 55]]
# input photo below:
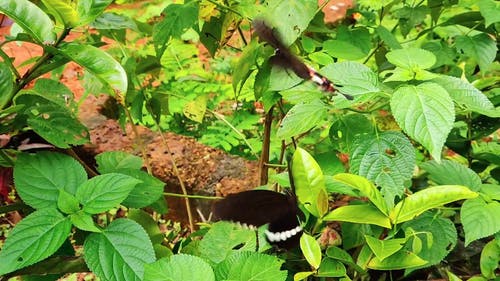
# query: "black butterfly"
[[286, 59], [254, 208]]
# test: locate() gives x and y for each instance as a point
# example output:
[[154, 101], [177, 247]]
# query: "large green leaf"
[[366, 214], [63, 12], [384, 248], [6, 84], [481, 48], [180, 17], [490, 10], [411, 58], [290, 17], [427, 199], [351, 44], [309, 182], [355, 78], [387, 158], [57, 125], [103, 192], [444, 236], [366, 187], [31, 19], [243, 266], [347, 128], [220, 240], [490, 259], [426, 113], [39, 177], [311, 250], [120, 252], [480, 219], [300, 118], [400, 260], [450, 172], [33, 239], [99, 63], [179, 267], [467, 96], [145, 193], [114, 161], [245, 64], [89, 10]]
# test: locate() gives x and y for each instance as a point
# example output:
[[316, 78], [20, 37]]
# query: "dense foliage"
[[400, 182]]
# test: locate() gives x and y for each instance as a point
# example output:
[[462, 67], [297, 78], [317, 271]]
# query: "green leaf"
[[366, 187], [195, 109], [350, 44], [53, 91], [31, 19], [490, 10], [320, 58], [67, 202], [426, 113], [89, 10], [99, 63], [114, 161], [491, 190], [84, 222], [411, 58], [347, 128], [387, 37], [387, 158], [355, 78], [103, 192], [302, 275], [220, 240], [243, 266], [452, 173], [309, 181], [479, 219], [311, 250], [57, 125], [148, 223], [427, 199], [481, 48], [300, 118], [6, 84], [384, 248], [444, 236], [244, 65], [39, 177], [490, 259], [399, 260], [331, 268], [359, 214], [294, 18], [180, 18], [343, 256], [146, 192], [179, 267], [33, 239], [63, 12], [467, 96], [120, 252]]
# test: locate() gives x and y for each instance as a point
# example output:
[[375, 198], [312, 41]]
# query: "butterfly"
[[285, 58], [254, 208]]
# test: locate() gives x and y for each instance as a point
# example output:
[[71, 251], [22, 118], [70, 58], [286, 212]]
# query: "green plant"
[[57, 188], [419, 140]]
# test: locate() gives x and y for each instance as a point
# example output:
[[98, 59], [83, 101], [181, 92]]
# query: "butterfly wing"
[[253, 207]]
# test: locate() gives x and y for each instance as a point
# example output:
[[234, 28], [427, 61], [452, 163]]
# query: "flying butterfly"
[[285, 58]]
